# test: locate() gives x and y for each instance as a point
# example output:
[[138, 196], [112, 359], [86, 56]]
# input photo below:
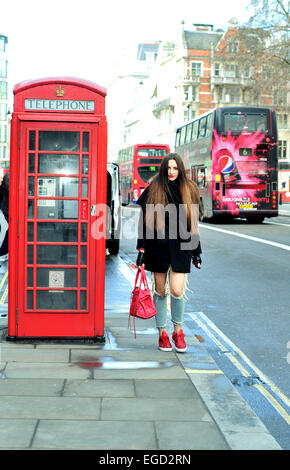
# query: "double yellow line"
[[274, 392]]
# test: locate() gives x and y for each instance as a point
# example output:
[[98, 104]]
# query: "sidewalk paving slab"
[[123, 394]]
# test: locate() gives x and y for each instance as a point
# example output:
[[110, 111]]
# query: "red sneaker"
[[164, 343], [179, 342]]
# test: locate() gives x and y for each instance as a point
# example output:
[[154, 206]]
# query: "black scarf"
[[174, 196]]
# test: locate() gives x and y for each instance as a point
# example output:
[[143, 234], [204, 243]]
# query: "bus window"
[[239, 122], [152, 152], [195, 130], [188, 132], [201, 177], [182, 137], [202, 128], [177, 138], [209, 125]]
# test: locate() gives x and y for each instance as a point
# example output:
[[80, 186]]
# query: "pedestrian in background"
[[4, 199], [167, 250]]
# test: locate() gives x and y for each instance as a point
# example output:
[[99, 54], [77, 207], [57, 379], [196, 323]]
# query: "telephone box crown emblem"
[[59, 91]]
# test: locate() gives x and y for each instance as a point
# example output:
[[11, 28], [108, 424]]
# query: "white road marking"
[[248, 237], [276, 223]]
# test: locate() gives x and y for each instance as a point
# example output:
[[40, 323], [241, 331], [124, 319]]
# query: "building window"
[[149, 56], [216, 70], [3, 68], [2, 44], [2, 151], [189, 93], [3, 111], [280, 97], [255, 97], [233, 46], [3, 133], [3, 90], [195, 69], [282, 149], [232, 95], [231, 71], [188, 113], [267, 73], [282, 120]]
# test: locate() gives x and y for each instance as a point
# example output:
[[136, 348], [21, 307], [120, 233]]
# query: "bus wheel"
[[114, 247], [258, 219]]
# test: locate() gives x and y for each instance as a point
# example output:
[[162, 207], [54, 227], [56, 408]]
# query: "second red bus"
[[138, 164]]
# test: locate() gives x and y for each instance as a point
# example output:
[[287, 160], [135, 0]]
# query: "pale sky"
[[86, 38]]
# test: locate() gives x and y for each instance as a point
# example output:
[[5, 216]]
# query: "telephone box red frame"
[[61, 108]]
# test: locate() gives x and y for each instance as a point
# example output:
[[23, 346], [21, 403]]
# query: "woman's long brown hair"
[[159, 188]]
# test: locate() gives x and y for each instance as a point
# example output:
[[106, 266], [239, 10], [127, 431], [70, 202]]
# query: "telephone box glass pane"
[[30, 232], [29, 277], [57, 232], [59, 141], [32, 140], [57, 209], [56, 277], [29, 254], [57, 254], [85, 165], [85, 187], [83, 255], [31, 186], [83, 277], [31, 163], [29, 299], [83, 300], [85, 142], [57, 187], [63, 164], [30, 209], [84, 233], [56, 300]]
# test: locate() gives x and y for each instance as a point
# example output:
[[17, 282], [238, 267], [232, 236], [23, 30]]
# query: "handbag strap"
[[140, 273], [137, 277], [144, 277]]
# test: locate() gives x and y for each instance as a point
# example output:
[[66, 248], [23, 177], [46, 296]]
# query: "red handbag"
[[141, 305]]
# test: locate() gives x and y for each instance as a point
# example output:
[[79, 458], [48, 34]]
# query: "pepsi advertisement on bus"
[[231, 153]]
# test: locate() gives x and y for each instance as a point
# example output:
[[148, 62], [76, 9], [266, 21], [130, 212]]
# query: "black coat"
[[160, 254]]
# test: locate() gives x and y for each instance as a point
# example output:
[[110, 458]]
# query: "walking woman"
[[168, 241]]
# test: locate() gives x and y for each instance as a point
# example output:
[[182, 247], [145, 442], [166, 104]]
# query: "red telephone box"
[[58, 170]]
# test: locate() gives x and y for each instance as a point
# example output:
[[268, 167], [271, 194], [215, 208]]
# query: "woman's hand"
[[140, 258], [196, 261]]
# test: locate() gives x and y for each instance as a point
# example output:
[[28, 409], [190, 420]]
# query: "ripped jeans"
[[177, 305]]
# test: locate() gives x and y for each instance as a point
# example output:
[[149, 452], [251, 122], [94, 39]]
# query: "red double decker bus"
[[138, 164], [231, 153]]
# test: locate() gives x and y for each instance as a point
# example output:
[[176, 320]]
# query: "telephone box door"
[[57, 254]]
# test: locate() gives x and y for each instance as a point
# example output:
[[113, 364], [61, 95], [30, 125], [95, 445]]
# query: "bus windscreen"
[[146, 172], [245, 122], [150, 161]]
